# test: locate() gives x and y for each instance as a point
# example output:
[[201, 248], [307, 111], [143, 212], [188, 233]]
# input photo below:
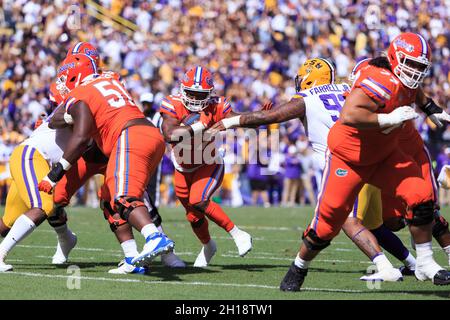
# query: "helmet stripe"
[[198, 75], [77, 47], [93, 63], [424, 45], [331, 68]]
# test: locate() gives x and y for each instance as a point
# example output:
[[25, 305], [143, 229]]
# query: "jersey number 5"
[[112, 88]]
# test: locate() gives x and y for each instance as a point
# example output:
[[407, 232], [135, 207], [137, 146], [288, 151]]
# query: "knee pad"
[[198, 223], [200, 206], [422, 214], [58, 218], [440, 226], [395, 224], [109, 213], [318, 244], [124, 206]]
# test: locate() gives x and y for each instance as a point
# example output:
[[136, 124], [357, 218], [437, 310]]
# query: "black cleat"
[[406, 271], [441, 278], [293, 279]]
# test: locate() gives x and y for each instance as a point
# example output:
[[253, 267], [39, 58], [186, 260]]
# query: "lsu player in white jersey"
[[317, 104], [30, 162]]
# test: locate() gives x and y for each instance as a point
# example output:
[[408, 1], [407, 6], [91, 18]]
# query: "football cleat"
[[406, 271], [206, 254], [125, 267], [293, 279], [441, 278], [243, 242], [388, 274], [155, 245], [171, 260], [434, 272], [5, 267], [63, 249]]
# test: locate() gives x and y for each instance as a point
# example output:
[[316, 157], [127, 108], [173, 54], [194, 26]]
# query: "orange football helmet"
[[73, 70], [196, 88], [85, 48], [410, 57]]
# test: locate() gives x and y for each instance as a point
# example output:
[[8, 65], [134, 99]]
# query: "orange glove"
[[37, 123], [46, 185]]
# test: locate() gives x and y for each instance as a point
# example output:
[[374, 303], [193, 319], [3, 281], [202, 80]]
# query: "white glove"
[[443, 178], [396, 117], [437, 118]]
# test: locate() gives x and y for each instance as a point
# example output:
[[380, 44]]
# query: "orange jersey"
[[111, 106], [369, 146], [173, 106]]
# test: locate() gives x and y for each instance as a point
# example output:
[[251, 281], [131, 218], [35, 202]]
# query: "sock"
[[63, 232], [21, 228], [447, 251], [302, 264], [202, 232], [148, 229], [218, 216], [410, 262], [129, 248], [390, 242], [424, 251], [160, 229], [381, 261]]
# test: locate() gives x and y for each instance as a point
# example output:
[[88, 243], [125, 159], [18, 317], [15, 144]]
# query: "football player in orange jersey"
[[197, 178], [99, 107], [394, 210], [363, 148], [86, 169]]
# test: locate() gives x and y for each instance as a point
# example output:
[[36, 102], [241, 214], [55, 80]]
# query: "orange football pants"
[[135, 157], [74, 179], [397, 174], [394, 207]]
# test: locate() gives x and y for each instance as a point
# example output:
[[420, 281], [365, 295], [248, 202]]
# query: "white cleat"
[[155, 245], [243, 242], [427, 271], [5, 267], [389, 274], [63, 250], [171, 260], [125, 267], [206, 254]]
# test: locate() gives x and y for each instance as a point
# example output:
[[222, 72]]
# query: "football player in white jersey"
[[317, 104]]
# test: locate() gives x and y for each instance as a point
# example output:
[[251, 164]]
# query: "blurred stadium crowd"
[[254, 48]]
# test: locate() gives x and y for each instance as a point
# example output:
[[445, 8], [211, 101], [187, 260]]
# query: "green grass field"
[[276, 232]]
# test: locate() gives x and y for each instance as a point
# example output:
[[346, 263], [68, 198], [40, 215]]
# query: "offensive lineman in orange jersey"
[[100, 107], [363, 147], [196, 181], [393, 209]]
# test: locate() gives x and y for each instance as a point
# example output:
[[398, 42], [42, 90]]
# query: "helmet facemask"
[[410, 70], [195, 100]]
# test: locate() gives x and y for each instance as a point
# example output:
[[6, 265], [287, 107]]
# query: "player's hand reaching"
[[46, 185], [438, 118]]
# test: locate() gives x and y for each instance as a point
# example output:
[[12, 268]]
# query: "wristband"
[[65, 164], [231, 122], [68, 118], [431, 108], [197, 127]]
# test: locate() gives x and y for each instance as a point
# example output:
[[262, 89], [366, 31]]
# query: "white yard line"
[[197, 283]]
